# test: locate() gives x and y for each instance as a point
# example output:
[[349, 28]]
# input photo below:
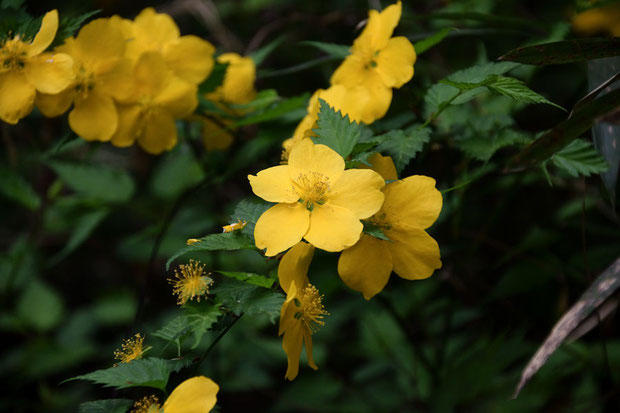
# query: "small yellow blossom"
[[316, 200], [195, 395], [411, 206], [302, 313], [192, 241], [131, 349], [148, 404], [235, 226], [190, 282], [101, 74], [597, 20], [378, 62], [26, 69]]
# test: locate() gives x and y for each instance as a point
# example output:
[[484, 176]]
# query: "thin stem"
[[440, 109], [217, 340]]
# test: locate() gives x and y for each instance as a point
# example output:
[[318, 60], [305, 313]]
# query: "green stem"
[[440, 109]]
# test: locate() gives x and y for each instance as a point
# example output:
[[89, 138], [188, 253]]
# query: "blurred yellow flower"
[[411, 206], [101, 74], [378, 62], [26, 69], [195, 395], [303, 311], [131, 349], [157, 98], [190, 282], [189, 57], [597, 20], [238, 84], [316, 200]]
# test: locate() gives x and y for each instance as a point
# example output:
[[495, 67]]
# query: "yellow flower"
[[378, 62], [190, 282], [599, 20], [157, 98], [131, 349], [189, 57], [195, 395], [25, 69], [302, 313], [238, 84], [101, 73], [317, 200], [411, 206]]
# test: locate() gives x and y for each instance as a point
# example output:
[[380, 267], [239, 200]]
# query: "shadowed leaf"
[[566, 51]]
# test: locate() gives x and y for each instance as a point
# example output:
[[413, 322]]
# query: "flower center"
[[85, 82], [369, 59], [13, 54], [311, 188], [131, 349], [190, 282], [311, 309], [149, 404]]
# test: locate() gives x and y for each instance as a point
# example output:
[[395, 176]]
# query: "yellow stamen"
[[311, 309], [190, 282], [311, 188], [13, 54], [234, 226], [149, 404], [131, 349]]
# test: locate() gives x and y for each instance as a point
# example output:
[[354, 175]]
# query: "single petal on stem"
[[46, 34], [274, 185], [281, 227], [291, 343], [395, 62], [190, 58], [306, 158], [195, 395], [366, 266], [415, 254], [50, 73], [333, 228], [308, 344], [160, 134], [16, 96], [94, 118], [358, 190], [294, 265], [413, 201]]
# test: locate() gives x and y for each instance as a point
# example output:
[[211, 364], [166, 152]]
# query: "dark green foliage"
[[336, 130], [243, 298], [229, 241], [403, 145], [580, 158], [106, 406]]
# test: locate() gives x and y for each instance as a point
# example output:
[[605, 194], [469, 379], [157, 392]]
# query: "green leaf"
[[402, 145], [11, 4], [148, 372], [83, 226], [423, 45], [258, 56], [372, 229], [174, 329], [566, 51], [200, 317], [335, 50], [242, 298], [176, 172], [336, 131], [106, 406], [263, 99], [40, 307], [276, 110], [215, 79], [229, 241], [250, 278], [95, 181], [249, 210], [517, 90], [580, 158], [16, 188]]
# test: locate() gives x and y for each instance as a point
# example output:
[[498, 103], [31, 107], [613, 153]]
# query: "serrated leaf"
[[95, 181], [517, 90], [335, 50], [336, 131], [375, 231], [566, 51], [242, 298], [423, 45], [149, 372], [200, 317], [250, 278], [249, 210], [215, 79], [16, 188], [276, 110], [174, 329], [580, 158], [106, 406], [402, 145], [485, 135], [229, 241]]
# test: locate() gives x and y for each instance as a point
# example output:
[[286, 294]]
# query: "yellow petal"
[[214, 136], [150, 75], [158, 28], [413, 201], [415, 254], [307, 334], [50, 73], [366, 266], [118, 81], [395, 62], [128, 118], [383, 165], [179, 97], [190, 58], [358, 190], [288, 310], [281, 227], [274, 185], [16, 96], [333, 228], [379, 28], [159, 135], [46, 34], [99, 41], [291, 343], [94, 118], [238, 85], [376, 97], [55, 105], [294, 265], [195, 395], [307, 158], [351, 72]]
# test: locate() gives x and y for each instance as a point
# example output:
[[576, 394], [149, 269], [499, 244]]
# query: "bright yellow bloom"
[[317, 200], [101, 74], [378, 62], [303, 311], [411, 206], [131, 349], [238, 84], [195, 395], [189, 57], [25, 69], [604, 19], [190, 282], [157, 98]]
